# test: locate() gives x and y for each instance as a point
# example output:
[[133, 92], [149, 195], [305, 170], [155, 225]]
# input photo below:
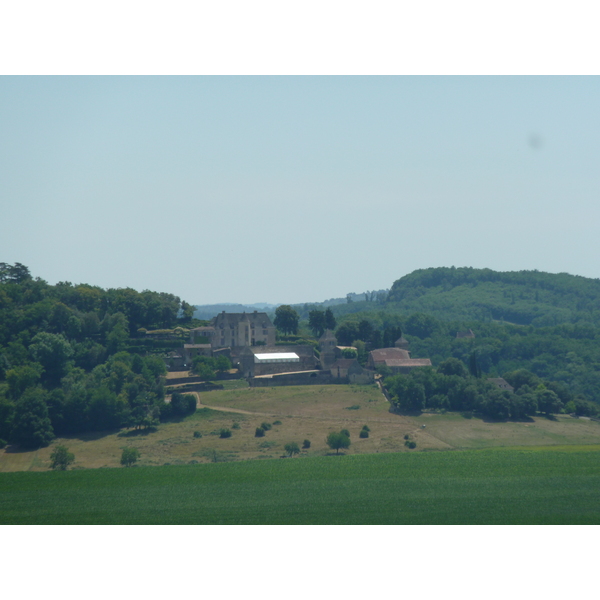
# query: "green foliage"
[[337, 441], [363, 433], [197, 434], [236, 425], [31, 425], [292, 448], [266, 426], [61, 458], [410, 444], [260, 432], [306, 444], [129, 456], [345, 432], [277, 422], [224, 433], [286, 319], [366, 428], [349, 353]]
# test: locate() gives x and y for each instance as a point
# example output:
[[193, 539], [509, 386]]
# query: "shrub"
[[306, 444], [292, 448], [225, 433], [406, 437], [410, 444], [235, 426], [61, 458], [363, 434], [345, 432], [130, 456], [197, 434], [266, 426], [366, 428], [260, 432], [276, 422], [353, 407]]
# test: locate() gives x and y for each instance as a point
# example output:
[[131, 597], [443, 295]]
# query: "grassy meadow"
[[537, 471], [296, 414], [508, 486]]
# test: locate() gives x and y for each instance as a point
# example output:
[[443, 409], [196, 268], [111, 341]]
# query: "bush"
[[345, 432], [306, 444], [235, 426], [224, 433], [366, 428], [276, 422], [61, 458], [130, 456], [292, 448], [363, 434], [410, 444], [266, 426], [260, 432], [353, 407], [406, 437], [197, 434]]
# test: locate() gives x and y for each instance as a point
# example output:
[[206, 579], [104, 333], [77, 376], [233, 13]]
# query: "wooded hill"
[[544, 323], [521, 297]]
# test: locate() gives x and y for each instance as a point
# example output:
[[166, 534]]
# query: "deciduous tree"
[[61, 458], [337, 440], [286, 319], [129, 456]]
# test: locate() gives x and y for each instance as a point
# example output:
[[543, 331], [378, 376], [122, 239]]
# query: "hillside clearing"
[[301, 413]]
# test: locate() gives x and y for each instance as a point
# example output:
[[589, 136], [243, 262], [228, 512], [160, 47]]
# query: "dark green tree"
[[336, 440], [286, 319], [53, 352], [453, 366], [31, 424], [316, 322], [129, 456], [292, 448], [330, 322], [61, 458]]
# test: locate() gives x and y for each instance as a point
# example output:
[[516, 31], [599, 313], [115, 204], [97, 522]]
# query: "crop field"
[[296, 414], [496, 486]]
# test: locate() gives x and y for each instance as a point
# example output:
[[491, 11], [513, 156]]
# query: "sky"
[[289, 189]]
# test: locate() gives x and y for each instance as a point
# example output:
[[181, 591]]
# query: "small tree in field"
[[292, 448], [130, 456], [337, 440], [61, 458]]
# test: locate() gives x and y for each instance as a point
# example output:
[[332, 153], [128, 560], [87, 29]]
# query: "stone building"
[[236, 330], [397, 359], [265, 360], [348, 370]]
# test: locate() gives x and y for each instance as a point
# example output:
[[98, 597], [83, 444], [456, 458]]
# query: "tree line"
[[65, 364]]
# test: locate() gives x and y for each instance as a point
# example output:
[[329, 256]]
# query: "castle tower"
[[327, 346]]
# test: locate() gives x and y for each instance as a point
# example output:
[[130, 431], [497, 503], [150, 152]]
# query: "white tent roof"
[[274, 357]]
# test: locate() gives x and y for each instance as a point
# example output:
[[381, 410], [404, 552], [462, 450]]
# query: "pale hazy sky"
[[295, 189]]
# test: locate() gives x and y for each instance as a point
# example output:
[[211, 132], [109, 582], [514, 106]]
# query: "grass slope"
[[546, 486]]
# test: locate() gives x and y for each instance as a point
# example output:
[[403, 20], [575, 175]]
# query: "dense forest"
[[73, 358]]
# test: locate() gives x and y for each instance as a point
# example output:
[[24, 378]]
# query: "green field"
[[507, 486]]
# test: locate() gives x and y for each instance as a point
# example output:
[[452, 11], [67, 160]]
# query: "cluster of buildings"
[[248, 340]]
